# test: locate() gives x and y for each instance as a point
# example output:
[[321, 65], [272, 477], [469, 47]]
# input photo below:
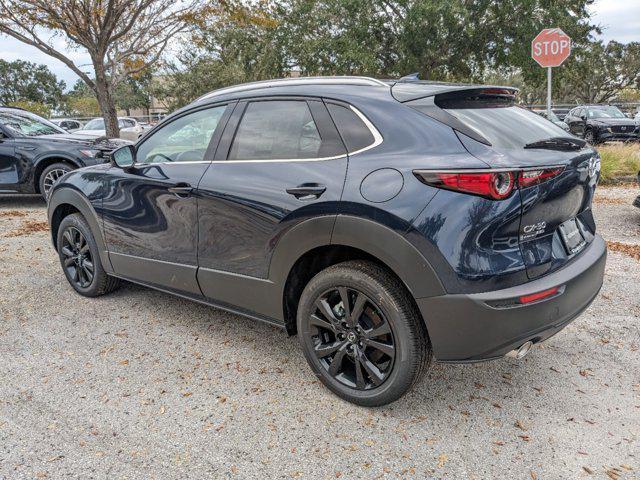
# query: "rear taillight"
[[495, 185], [528, 178]]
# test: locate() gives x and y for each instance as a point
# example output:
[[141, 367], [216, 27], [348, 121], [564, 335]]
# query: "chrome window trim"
[[377, 140]]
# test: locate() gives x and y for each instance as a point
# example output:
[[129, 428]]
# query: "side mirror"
[[124, 157], [583, 117]]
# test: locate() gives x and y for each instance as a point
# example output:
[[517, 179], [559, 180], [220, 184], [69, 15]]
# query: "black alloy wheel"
[[361, 333], [78, 261], [353, 339], [80, 258]]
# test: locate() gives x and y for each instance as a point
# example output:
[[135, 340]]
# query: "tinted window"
[[128, 123], [506, 127], [183, 140], [279, 129], [354, 132]]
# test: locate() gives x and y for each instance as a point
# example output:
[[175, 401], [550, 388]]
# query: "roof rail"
[[337, 80]]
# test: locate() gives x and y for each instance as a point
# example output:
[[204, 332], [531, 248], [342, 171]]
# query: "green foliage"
[[22, 81], [134, 92], [618, 161], [455, 40], [34, 107]]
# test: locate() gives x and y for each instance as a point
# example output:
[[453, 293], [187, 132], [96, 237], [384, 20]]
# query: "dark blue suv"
[[386, 223]]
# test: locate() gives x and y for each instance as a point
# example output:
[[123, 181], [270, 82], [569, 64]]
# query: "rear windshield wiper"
[[558, 143]]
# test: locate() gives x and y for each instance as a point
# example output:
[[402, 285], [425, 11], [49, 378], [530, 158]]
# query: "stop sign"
[[551, 47]]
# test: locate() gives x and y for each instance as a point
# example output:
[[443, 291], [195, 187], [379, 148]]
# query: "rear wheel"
[[80, 258], [51, 175], [361, 333]]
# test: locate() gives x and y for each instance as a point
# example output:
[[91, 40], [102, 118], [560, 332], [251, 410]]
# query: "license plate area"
[[571, 236]]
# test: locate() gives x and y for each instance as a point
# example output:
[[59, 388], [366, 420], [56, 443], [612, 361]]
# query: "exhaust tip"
[[521, 351]]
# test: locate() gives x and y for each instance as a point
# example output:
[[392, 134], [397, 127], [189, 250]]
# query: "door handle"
[[307, 191], [181, 189]]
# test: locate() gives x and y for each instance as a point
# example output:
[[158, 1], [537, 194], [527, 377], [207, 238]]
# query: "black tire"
[[82, 265], [387, 306], [590, 137], [50, 175]]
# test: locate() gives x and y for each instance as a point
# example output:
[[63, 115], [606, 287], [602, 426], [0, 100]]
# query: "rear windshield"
[[508, 127]]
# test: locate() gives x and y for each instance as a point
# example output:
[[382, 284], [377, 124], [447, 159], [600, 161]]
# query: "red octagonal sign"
[[551, 47]]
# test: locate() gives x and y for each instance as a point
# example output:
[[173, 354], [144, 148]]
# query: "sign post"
[[550, 48]]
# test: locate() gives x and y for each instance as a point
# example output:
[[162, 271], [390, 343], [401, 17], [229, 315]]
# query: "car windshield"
[[605, 112], [27, 124], [95, 124]]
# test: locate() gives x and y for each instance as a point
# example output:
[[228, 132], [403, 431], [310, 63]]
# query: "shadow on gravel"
[[22, 201]]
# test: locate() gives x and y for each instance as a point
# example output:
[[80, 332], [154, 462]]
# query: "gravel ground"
[[140, 384]]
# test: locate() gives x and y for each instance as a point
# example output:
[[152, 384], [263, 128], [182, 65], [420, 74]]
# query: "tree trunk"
[[105, 100]]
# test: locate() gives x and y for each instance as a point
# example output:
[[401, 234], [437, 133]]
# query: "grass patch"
[[619, 161]]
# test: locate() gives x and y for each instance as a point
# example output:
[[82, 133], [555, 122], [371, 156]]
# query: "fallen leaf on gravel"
[[627, 467], [124, 362], [497, 405], [520, 425], [442, 459], [612, 474], [28, 227], [554, 370], [588, 470], [478, 385], [187, 394], [626, 248], [533, 476], [586, 372], [499, 443], [13, 213], [234, 469], [526, 438]]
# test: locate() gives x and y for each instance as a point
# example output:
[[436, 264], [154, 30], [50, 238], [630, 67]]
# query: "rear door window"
[[355, 134], [276, 130]]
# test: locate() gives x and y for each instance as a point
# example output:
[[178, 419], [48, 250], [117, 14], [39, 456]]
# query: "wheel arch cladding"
[[65, 201], [300, 256]]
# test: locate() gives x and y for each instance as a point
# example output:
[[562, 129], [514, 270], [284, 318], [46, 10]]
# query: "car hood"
[[100, 143], [614, 121]]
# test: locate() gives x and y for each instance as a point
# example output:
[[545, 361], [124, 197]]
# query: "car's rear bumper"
[[466, 328]]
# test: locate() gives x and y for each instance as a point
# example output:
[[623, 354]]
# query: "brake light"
[[495, 185], [539, 295], [528, 178]]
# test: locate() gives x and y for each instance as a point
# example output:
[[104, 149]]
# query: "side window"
[[355, 133], [276, 130], [185, 139]]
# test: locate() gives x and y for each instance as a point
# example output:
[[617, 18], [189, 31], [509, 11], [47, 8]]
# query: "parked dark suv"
[[601, 123], [386, 223], [35, 153]]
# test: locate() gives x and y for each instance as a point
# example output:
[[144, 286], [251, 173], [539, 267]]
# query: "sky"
[[620, 20]]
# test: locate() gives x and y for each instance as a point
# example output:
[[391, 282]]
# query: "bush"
[[33, 107], [619, 161]]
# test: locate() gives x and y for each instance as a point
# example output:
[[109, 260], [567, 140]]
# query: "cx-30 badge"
[[533, 230]]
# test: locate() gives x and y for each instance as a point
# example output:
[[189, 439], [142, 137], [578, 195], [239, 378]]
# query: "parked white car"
[[129, 129]]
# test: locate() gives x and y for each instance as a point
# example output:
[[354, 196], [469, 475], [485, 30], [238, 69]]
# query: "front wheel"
[[80, 258], [361, 333], [590, 137], [51, 175]]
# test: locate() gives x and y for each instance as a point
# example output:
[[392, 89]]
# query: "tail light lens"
[[489, 184], [534, 177]]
